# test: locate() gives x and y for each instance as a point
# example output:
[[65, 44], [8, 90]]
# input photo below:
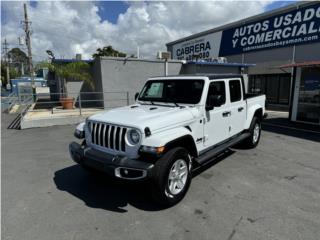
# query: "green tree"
[[108, 51], [74, 71], [12, 72], [18, 58]]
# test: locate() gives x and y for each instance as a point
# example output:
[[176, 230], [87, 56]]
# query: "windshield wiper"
[[143, 102], [177, 105], [174, 102]]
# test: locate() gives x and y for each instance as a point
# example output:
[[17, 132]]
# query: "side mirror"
[[136, 96], [213, 101]]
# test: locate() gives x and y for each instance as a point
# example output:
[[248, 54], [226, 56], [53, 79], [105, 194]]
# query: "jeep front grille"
[[108, 136]]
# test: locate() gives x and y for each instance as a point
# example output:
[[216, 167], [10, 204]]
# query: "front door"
[[216, 122]]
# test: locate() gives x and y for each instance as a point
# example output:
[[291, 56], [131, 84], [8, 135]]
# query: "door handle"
[[240, 109], [226, 114]]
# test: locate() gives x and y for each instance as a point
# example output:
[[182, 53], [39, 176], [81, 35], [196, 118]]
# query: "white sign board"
[[42, 90], [205, 47]]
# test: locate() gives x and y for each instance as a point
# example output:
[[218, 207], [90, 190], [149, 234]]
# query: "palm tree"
[[74, 71]]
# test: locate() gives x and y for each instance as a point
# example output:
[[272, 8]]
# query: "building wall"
[[119, 76], [268, 61], [307, 52]]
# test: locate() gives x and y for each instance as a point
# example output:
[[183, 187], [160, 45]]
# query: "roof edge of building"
[[140, 59]]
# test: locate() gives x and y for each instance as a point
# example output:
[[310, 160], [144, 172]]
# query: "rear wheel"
[[171, 177], [255, 132]]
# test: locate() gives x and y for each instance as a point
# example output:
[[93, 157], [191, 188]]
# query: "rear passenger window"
[[218, 88], [235, 90]]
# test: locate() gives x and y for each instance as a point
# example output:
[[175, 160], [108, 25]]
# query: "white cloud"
[[68, 28]]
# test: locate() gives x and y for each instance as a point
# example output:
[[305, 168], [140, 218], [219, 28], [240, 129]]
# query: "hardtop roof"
[[210, 76]]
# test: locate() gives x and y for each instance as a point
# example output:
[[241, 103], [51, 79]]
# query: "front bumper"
[[113, 165]]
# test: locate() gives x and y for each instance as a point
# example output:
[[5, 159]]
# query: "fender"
[[250, 113], [162, 138]]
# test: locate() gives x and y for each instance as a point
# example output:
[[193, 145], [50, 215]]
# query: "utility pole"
[[6, 59], [28, 41]]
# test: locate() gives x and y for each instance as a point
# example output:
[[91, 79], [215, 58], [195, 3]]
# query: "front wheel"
[[171, 177], [255, 132]]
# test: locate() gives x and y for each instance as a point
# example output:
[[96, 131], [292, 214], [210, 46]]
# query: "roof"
[[246, 20], [222, 64], [210, 76], [302, 64], [56, 60]]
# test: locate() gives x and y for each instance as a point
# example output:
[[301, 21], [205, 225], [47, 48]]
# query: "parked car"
[[176, 124]]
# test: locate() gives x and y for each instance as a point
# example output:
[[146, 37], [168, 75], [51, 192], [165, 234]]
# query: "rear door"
[[216, 125], [237, 107]]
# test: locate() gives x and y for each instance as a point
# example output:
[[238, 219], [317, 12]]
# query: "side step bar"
[[207, 156]]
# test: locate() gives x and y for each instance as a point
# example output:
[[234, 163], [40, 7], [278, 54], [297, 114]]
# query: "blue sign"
[[299, 26]]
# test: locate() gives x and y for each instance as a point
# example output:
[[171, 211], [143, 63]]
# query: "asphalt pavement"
[[271, 192]]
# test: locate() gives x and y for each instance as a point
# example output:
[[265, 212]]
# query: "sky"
[[73, 27]]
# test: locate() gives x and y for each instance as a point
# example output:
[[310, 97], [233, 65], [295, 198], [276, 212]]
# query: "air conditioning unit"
[[163, 55], [222, 60]]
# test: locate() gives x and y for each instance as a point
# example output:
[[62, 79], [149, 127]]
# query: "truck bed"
[[251, 95]]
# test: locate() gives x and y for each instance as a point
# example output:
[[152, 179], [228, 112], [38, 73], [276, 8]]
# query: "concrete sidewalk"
[[278, 122], [55, 117]]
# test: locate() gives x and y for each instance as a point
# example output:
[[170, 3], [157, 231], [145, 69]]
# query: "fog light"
[[130, 173], [156, 150]]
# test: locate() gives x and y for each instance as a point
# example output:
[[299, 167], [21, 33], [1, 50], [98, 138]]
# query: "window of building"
[[309, 95], [276, 87], [235, 90]]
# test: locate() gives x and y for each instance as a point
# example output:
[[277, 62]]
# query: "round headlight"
[[134, 136]]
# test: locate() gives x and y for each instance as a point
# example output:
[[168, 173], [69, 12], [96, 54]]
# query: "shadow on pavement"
[[298, 130], [99, 191]]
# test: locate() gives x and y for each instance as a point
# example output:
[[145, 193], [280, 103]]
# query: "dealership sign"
[[299, 26], [205, 47]]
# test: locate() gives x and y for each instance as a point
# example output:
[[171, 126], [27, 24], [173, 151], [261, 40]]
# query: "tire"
[[255, 132], [167, 187]]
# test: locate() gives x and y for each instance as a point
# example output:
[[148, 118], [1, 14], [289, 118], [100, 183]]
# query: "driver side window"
[[154, 91], [217, 89]]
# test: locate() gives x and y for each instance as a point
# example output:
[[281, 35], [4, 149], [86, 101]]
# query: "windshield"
[[172, 91]]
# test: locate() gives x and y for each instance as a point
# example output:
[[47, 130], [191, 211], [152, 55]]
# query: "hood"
[[153, 116]]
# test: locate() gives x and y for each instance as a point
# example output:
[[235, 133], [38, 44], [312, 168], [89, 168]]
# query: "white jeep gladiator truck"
[[177, 123]]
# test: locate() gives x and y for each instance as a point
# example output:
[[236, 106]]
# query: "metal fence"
[[8, 102], [82, 101]]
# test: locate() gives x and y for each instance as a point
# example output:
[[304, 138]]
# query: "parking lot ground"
[[271, 192]]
